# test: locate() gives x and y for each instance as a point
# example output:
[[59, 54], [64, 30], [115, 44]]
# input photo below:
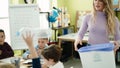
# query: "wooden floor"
[[75, 63]]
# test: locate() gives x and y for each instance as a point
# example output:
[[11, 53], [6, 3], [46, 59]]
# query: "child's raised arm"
[[28, 38]]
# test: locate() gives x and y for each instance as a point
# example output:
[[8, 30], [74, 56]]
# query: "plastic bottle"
[[34, 31]]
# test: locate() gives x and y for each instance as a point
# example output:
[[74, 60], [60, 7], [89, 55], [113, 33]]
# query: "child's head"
[[42, 38], [52, 54], [2, 37], [42, 42]]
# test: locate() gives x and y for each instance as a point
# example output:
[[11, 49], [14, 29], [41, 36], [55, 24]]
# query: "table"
[[22, 64], [59, 28], [70, 37]]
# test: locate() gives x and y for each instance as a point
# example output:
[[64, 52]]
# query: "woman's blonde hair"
[[110, 16]]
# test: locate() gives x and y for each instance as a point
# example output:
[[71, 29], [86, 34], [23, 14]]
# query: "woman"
[[101, 24]]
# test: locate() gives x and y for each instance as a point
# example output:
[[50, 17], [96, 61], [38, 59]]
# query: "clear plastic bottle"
[[35, 31], [24, 30]]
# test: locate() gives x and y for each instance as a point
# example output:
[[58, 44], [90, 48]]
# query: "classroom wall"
[[18, 1], [74, 5], [22, 1], [71, 5], [118, 15]]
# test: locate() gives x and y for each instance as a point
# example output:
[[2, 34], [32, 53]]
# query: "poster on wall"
[[22, 18]]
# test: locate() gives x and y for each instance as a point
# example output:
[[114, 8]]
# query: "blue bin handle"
[[97, 47]]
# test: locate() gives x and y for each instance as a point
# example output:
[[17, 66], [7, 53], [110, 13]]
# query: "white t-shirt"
[[58, 65]]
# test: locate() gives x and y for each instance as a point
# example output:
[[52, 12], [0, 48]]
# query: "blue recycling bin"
[[97, 56]]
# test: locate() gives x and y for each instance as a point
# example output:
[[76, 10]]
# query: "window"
[[4, 19], [44, 5], [4, 8], [44, 24], [4, 24], [115, 3]]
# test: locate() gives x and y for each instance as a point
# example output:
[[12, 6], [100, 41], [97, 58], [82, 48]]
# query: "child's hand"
[[28, 38]]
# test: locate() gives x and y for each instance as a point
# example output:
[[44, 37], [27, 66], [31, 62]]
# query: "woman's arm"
[[117, 35], [117, 30], [82, 31]]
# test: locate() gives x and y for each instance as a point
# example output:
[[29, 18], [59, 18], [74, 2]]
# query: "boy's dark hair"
[[1, 30], [52, 52]]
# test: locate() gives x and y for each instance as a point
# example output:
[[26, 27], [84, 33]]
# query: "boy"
[[51, 54], [42, 43], [5, 49]]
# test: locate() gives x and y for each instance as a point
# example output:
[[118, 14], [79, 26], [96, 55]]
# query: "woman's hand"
[[77, 41], [116, 43]]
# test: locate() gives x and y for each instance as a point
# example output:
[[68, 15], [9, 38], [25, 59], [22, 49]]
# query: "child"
[[42, 43], [51, 54], [5, 49]]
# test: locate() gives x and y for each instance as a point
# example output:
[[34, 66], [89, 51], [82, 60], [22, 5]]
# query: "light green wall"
[[71, 5], [74, 5], [118, 15], [20, 1], [60, 3]]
